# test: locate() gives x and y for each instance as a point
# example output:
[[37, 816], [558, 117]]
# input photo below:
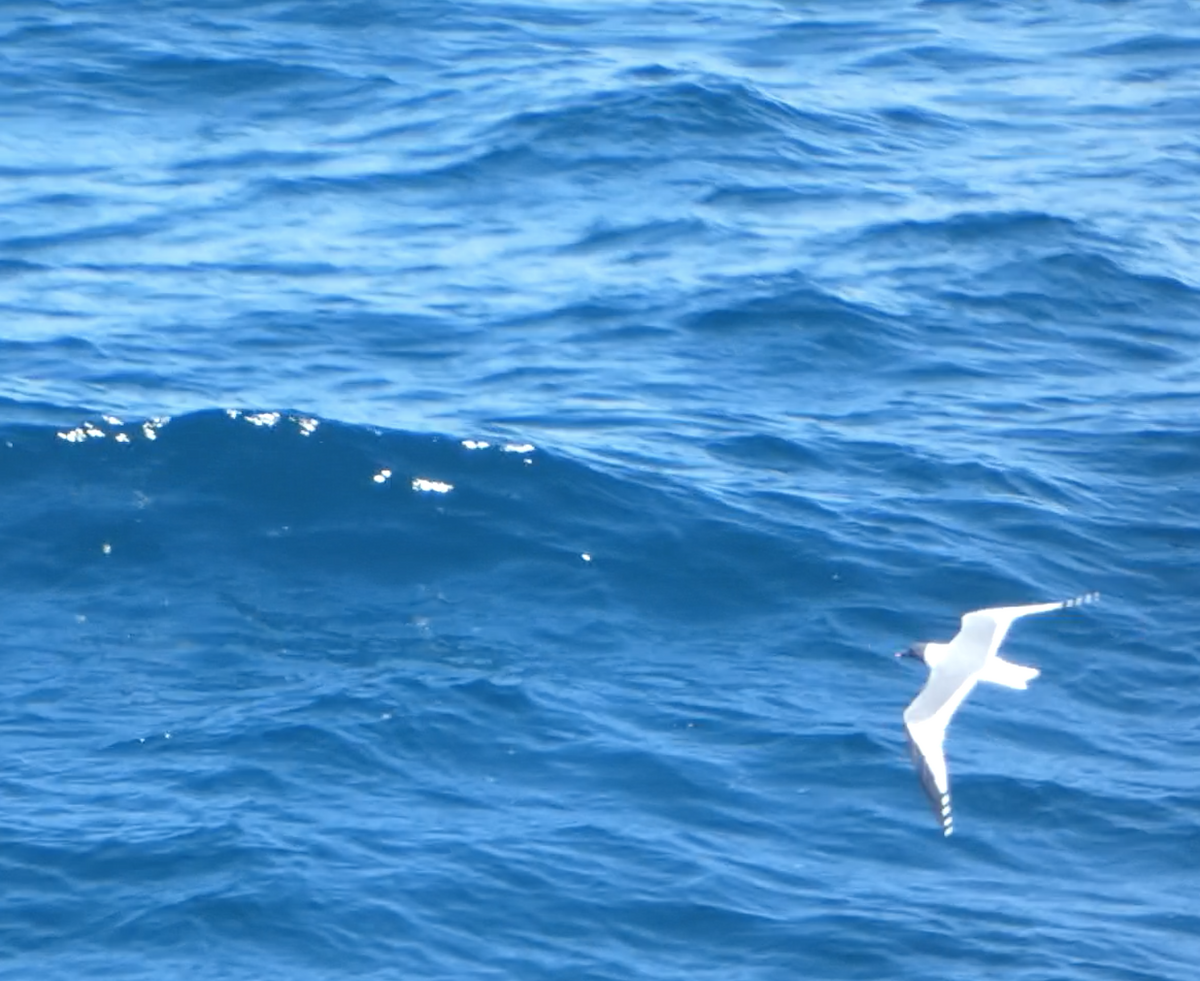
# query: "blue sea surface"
[[465, 468]]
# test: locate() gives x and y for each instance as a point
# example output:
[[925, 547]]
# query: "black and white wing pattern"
[[994, 622], [925, 722], [930, 761]]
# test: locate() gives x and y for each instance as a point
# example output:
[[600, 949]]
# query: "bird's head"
[[917, 651]]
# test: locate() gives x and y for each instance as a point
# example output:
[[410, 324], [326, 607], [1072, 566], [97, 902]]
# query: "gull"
[[954, 669]]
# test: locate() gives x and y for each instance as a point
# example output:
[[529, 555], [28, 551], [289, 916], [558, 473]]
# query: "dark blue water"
[[465, 467]]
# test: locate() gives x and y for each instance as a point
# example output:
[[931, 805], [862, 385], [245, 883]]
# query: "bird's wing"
[[925, 747], [1005, 615], [925, 722]]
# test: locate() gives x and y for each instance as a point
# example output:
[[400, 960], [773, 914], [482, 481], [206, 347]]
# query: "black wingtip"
[[938, 802]]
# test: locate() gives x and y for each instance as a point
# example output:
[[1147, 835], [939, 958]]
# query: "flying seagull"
[[954, 668]]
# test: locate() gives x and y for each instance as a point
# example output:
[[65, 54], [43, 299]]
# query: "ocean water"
[[465, 468]]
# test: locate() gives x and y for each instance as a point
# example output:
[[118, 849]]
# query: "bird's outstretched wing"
[[983, 631], [925, 747], [925, 722]]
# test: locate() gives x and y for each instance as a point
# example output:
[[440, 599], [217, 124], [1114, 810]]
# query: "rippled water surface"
[[465, 467]]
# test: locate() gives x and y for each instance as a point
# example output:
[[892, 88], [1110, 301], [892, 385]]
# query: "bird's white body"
[[954, 670]]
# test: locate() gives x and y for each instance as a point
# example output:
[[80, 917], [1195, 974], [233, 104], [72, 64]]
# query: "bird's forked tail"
[[1001, 672]]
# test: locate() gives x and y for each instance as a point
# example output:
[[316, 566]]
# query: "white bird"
[[954, 669]]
